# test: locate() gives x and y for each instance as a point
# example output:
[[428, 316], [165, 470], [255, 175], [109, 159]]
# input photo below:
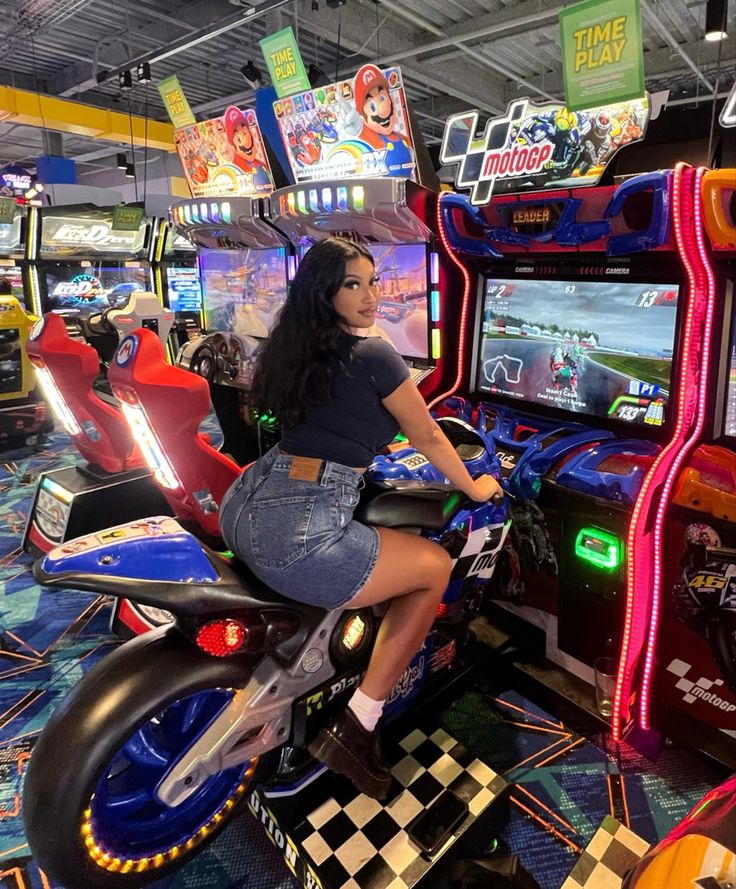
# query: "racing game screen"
[[10, 360], [182, 284], [729, 427], [598, 348], [86, 290], [13, 274], [243, 290], [401, 317]]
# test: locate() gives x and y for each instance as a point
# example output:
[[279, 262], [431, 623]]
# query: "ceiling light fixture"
[[715, 20], [143, 72], [252, 75], [129, 171], [316, 75], [125, 80], [122, 160]]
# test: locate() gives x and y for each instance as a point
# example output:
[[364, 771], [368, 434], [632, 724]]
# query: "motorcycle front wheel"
[[99, 823]]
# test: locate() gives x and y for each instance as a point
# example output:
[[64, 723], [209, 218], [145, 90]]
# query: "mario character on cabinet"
[[375, 105]]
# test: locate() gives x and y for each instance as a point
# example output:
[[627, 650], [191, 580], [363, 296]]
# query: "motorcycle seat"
[[409, 504]]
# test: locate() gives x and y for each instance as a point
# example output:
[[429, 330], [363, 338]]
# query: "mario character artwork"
[[246, 154], [374, 103]]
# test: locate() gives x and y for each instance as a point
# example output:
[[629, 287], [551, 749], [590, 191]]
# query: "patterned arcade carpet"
[[564, 784]]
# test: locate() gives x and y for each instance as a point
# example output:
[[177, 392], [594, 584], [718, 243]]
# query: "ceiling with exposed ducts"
[[455, 55]]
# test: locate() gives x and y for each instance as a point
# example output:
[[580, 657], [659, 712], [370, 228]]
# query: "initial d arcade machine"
[[584, 326], [83, 265], [177, 283], [245, 266]]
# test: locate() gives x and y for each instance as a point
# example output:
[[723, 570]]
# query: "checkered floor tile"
[[359, 843], [608, 857]]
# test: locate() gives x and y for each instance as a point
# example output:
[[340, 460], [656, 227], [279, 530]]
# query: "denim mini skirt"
[[299, 536]]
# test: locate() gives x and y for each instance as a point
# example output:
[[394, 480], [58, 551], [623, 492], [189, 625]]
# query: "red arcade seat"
[[66, 369], [164, 407]]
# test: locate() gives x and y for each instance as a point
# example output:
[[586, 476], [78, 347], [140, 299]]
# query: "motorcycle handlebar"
[[722, 553]]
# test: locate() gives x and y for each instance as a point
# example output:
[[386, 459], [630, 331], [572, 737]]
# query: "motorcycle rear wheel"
[[96, 823]]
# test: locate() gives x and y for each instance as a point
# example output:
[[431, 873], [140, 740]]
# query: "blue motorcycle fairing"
[[147, 549]]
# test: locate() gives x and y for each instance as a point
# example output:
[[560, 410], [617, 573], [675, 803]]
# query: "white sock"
[[366, 710]]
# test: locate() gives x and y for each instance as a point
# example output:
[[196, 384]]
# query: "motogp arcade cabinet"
[[245, 265], [581, 304], [113, 485], [177, 282], [396, 219], [82, 265], [687, 687]]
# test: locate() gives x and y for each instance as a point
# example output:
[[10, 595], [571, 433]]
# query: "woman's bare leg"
[[413, 573]]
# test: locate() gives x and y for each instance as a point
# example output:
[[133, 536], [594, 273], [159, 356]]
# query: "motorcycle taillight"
[[220, 638]]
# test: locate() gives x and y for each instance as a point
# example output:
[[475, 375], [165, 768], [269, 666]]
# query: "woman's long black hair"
[[294, 364]]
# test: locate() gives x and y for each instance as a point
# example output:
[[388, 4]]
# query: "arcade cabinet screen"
[[185, 293], [591, 347], [13, 274], [10, 360], [402, 308], [85, 290], [730, 421], [243, 290]]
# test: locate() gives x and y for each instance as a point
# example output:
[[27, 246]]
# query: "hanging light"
[[129, 171], [125, 80], [122, 160], [252, 75], [715, 20]]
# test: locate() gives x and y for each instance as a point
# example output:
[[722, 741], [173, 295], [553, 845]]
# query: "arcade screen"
[[84, 290], [13, 274], [729, 427], [243, 290], [402, 308], [598, 348], [10, 361], [185, 292]]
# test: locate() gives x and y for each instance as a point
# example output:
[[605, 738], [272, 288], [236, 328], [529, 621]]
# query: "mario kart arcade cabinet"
[[244, 263], [177, 282], [686, 685], [360, 179], [580, 315]]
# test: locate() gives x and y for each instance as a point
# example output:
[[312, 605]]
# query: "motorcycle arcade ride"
[[179, 726], [582, 305], [113, 483]]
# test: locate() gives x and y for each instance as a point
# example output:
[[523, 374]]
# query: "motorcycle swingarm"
[[257, 719]]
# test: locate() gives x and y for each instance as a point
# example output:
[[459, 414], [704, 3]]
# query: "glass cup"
[[605, 683]]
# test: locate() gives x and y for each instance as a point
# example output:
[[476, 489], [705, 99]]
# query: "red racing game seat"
[[66, 369], [164, 407]]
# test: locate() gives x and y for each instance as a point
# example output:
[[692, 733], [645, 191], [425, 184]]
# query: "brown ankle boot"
[[345, 746]]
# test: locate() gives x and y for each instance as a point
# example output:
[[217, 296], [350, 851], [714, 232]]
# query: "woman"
[[340, 398]]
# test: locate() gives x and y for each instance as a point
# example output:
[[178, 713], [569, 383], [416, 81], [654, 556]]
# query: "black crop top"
[[352, 426]]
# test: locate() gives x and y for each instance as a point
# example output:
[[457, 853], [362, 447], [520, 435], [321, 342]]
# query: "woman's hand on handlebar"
[[486, 488]]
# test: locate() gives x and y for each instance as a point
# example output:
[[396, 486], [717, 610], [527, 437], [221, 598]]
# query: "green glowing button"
[[600, 548]]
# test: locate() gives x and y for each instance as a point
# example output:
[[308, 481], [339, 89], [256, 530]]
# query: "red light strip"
[[685, 237], [463, 312], [642, 597]]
